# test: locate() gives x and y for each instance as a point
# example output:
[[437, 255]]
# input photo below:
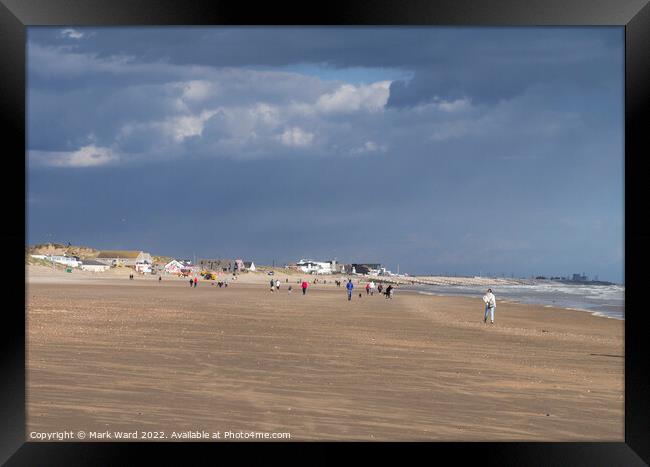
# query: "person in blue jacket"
[[349, 286]]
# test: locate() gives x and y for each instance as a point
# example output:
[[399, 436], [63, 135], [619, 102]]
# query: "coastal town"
[[72, 258]]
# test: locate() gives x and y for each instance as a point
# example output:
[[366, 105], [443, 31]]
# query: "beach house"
[[218, 265], [93, 266], [366, 268], [314, 267], [124, 257], [71, 261], [173, 267]]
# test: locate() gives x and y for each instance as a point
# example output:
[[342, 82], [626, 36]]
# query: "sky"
[[442, 150]]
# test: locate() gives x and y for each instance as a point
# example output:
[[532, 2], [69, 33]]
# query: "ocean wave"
[[600, 300]]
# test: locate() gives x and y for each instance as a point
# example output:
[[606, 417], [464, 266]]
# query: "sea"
[[601, 300]]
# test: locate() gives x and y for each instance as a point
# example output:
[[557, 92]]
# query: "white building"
[[123, 258], [144, 268], [93, 266], [314, 267], [173, 267], [65, 260]]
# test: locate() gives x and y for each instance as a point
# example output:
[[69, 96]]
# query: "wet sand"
[[124, 355]]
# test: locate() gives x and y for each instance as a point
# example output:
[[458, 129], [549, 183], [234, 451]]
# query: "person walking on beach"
[[389, 291], [304, 287], [490, 304], [159, 279], [367, 289], [277, 284], [191, 282], [272, 283], [289, 290], [196, 281], [349, 286], [380, 288], [372, 288]]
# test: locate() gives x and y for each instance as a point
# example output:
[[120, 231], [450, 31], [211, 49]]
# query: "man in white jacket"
[[490, 305]]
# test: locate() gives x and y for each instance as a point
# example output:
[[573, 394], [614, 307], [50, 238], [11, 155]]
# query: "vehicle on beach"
[[270, 273]]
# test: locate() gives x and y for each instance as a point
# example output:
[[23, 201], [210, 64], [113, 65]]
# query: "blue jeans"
[[489, 310]]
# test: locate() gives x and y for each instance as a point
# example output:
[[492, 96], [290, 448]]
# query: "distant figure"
[[380, 288], [277, 284], [349, 286], [191, 282], [289, 290], [272, 283], [367, 289], [287, 280], [196, 281], [389, 291], [159, 279], [304, 286], [490, 304], [372, 288]]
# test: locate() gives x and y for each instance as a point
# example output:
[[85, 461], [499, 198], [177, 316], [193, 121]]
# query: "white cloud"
[[455, 105], [185, 126], [266, 114], [296, 137], [368, 147], [197, 90], [350, 98], [72, 34], [87, 156]]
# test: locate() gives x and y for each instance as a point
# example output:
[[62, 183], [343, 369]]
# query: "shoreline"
[[596, 313], [43, 275]]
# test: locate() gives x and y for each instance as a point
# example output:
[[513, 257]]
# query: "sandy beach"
[[106, 353]]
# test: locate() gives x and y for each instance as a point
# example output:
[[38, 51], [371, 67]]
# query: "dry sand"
[[106, 353]]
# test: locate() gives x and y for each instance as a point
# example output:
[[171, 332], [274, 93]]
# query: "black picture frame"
[[633, 15]]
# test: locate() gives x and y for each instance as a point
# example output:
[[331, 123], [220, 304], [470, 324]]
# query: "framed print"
[[386, 228]]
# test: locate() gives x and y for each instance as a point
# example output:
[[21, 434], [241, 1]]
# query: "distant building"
[[579, 277], [366, 268], [144, 268], [71, 261], [123, 257], [220, 265], [315, 267], [93, 266], [173, 267]]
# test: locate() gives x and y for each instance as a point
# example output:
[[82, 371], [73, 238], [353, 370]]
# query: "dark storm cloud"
[[504, 61], [501, 151]]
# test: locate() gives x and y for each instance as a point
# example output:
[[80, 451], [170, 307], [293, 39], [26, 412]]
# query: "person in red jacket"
[[367, 289], [304, 287]]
